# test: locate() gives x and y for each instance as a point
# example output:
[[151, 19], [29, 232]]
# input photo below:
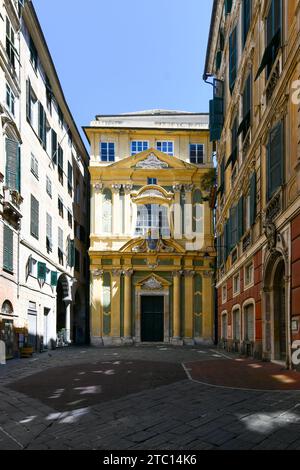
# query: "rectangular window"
[[54, 146], [166, 147], [49, 94], [248, 276], [247, 104], [10, 43], [70, 178], [70, 138], [49, 186], [10, 100], [234, 226], [247, 212], [236, 284], [34, 218], [77, 198], [60, 165], [275, 159], [224, 294], [60, 207], [34, 166], [60, 245], [197, 154], [152, 181], [8, 239], [107, 152], [138, 146], [48, 233], [70, 219], [42, 126], [33, 54], [12, 164], [247, 13], [60, 117], [232, 58]]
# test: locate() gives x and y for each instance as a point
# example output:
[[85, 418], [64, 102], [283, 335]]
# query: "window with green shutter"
[[273, 37], [240, 211], [12, 164], [54, 146], [53, 278], [77, 261], [60, 165], [34, 217], [247, 100], [253, 198], [275, 160], [232, 58], [41, 271], [70, 178], [228, 6], [28, 101], [216, 118], [8, 239], [234, 226], [246, 12], [42, 126], [71, 253]]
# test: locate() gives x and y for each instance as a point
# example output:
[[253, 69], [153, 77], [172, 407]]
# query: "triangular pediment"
[[152, 159]]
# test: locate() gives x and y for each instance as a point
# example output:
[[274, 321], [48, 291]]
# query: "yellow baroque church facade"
[[152, 253]]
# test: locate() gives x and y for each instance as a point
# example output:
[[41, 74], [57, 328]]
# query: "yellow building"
[[151, 243]]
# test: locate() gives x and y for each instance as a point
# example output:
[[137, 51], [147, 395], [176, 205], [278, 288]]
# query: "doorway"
[[152, 321], [279, 313]]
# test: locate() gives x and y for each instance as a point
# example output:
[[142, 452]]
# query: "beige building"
[[44, 193], [151, 243], [253, 55]]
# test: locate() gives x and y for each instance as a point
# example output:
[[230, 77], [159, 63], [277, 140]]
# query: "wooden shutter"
[[70, 175], [60, 157], [53, 278], [54, 146], [216, 118], [34, 224], [247, 10], [228, 6], [28, 101], [8, 239], [232, 58], [42, 270], [252, 199], [42, 125], [240, 212], [12, 165], [275, 160]]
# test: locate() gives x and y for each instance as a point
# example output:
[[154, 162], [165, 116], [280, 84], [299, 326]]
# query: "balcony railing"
[[12, 201], [274, 207], [246, 242]]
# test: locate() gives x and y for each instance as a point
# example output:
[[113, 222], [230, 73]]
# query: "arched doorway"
[[63, 300], [279, 312], [275, 310], [7, 328]]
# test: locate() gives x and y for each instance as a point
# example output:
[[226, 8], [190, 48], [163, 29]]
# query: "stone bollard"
[[2, 353]]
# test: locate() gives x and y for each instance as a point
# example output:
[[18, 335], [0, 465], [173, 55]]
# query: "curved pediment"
[[152, 194]]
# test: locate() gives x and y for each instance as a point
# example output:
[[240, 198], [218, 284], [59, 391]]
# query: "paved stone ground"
[[155, 406]]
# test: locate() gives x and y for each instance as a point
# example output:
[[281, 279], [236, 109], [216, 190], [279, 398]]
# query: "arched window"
[[7, 308], [198, 225], [106, 211]]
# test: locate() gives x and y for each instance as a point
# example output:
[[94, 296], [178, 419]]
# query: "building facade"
[[151, 244], [253, 61], [44, 194]]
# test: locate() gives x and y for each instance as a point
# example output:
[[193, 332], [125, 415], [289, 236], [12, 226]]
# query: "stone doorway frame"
[[152, 285]]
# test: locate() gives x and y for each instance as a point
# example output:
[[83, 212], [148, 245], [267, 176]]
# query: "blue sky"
[[115, 56]]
